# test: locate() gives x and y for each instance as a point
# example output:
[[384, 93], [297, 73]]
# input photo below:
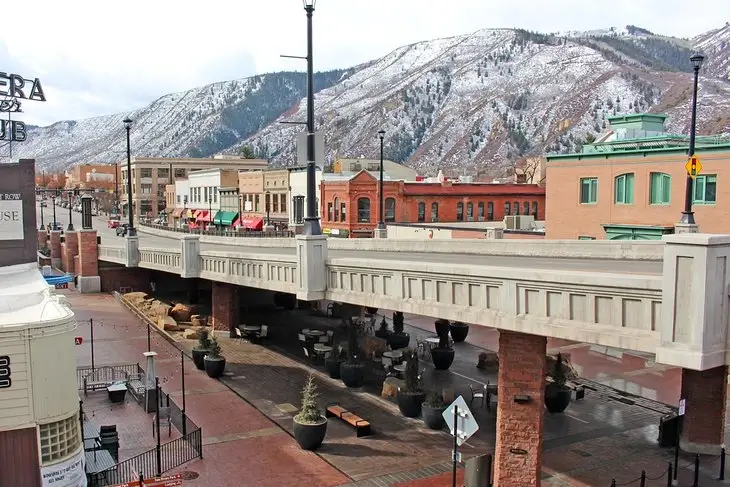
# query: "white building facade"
[[298, 194]]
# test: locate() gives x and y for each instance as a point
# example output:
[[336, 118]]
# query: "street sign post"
[[693, 167], [462, 426], [680, 419]]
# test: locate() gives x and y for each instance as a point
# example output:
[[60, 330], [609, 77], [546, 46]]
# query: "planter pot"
[[333, 368], [442, 327], [557, 399], [384, 334], [459, 331], [433, 417], [198, 356], [353, 375], [215, 367], [310, 436], [398, 340], [442, 358], [410, 403]]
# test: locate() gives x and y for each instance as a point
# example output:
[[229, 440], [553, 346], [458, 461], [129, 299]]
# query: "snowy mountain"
[[470, 103]]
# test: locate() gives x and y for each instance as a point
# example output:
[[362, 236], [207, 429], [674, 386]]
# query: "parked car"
[[122, 229], [113, 221]]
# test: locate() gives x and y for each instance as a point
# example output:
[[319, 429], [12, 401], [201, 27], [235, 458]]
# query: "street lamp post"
[[53, 201], [381, 221], [116, 189], [688, 216], [70, 215], [130, 231], [210, 210], [42, 202], [268, 208], [311, 222]]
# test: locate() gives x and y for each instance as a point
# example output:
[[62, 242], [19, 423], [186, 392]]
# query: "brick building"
[[349, 207], [630, 184], [92, 176]]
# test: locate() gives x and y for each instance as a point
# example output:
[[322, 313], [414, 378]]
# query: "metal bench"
[[102, 378], [135, 385], [362, 427]]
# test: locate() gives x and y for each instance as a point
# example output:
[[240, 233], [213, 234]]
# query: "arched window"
[[421, 211], [389, 209], [434, 212], [337, 210], [534, 209], [526, 208], [459, 211], [490, 211], [516, 208], [660, 188], [507, 207], [470, 212], [363, 210]]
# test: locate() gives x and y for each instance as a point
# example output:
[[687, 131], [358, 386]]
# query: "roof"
[[27, 299]]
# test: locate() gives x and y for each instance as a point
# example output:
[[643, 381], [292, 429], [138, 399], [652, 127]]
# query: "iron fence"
[[85, 370], [224, 233]]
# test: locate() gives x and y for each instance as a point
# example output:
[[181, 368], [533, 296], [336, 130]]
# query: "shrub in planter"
[[383, 331], [443, 354], [398, 339], [201, 349], [215, 363], [411, 395], [433, 410], [442, 326], [352, 371], [459, 331], [557, 393], [333, 362], [310, 427]]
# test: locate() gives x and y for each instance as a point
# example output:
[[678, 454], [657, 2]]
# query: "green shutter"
[[629, 189]]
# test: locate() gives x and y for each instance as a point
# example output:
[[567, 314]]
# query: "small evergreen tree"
[[310, 413]]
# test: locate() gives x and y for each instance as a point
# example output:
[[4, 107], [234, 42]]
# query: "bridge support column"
[[88, 269], [703, 429], [70, 249], [224, 307], [189, 261], [311, 267], [521, 393], [55, 245], [132, 244]]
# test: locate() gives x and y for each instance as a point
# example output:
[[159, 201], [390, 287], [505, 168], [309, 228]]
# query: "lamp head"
[[127, 122], [697, 60], [309, 4], [381, 133]]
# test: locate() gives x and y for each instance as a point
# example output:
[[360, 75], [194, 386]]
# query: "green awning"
[[225, 217]]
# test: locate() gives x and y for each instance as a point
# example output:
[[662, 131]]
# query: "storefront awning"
[[252, 223], [201, 216], [225, 218], [177, 212], [190, 214]]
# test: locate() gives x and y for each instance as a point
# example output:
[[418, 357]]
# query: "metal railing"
[[224, 233], [85, 370]]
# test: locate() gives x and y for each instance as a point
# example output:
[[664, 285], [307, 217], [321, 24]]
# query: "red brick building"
[[349, 207]]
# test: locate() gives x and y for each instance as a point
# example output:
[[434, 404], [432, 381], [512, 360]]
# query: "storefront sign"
[[65, 474], [5, 380], [11, 216], [13, 89]]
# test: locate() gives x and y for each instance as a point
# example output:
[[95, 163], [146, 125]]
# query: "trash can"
[[669, 425], [478, 471]]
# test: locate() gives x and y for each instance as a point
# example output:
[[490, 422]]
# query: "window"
[[275, 203], [624, 191], [507, 208], [215, 194], [205, 194], [145, 172], [470, 211], [59, 439], [337, 211], [534, 209], [267, 204], [180, 173], [480, 211], [421, 212], [588, 190], [343, 213], [705, 189], [660, 188], [526, 208], [490, 211], [163, 172], [329, 211], [434, 212], [516, 208], [256, 203], [459, 211], [389, 209], [283, 203], [585, 237], [146, 188], [363, 210]]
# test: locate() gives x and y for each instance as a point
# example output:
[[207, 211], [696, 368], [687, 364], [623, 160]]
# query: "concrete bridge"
[[668, 298]]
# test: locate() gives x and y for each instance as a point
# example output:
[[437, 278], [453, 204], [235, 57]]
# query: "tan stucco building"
[[276, 194], [251, 190], [630, 184]]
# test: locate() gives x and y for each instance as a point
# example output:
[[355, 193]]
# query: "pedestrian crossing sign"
[[693, 167]]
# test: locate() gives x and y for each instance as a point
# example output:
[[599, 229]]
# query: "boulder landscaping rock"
[[198, 320], [488, 361], [159, 309], [182, 312], [167, 323], [191, 333], [390, 387], [135, 298]]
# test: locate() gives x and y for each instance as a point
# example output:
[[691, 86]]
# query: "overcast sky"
[[99, 57]]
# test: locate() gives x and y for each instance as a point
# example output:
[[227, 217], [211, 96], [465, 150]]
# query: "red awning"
[[177, 212], [252, 223], [206, 216], [201, 216]]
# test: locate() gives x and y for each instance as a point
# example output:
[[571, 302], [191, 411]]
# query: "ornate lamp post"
[[311, 222], [70, 215], [688, 216], [131, 232], [381, 194]]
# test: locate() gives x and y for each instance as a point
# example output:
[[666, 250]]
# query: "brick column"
[[55, 248], [703, 430], [88, 262], [225, 306], [522, 368], [42, 239], [70, 250]]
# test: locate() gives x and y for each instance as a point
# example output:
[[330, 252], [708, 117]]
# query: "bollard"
[[642, 480], [722, 464], [696, 482], [669, 476], [613, 482]]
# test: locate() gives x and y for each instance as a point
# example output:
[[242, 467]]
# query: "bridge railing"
[[223, 233], [113, 254], [162, 259]]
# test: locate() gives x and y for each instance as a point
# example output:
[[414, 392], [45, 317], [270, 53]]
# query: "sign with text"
[[65, 474], [14, 89], [11, 216], [5, 381]]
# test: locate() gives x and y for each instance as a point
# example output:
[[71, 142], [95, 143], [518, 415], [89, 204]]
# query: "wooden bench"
[[102, 378], [362, 427], [136, 385]]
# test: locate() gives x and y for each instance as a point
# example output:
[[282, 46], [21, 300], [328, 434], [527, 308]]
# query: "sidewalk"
[[242, 447]]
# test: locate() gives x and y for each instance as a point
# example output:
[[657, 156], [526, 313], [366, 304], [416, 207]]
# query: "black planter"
[[310, 436], [433, 417], [198, 356], [371, 311], [333, 368], [410, 403], [442, 327], [215, 367], [442, 358], [398, 340], [557, 399], [384, 334], [352, 374], [459, 331]]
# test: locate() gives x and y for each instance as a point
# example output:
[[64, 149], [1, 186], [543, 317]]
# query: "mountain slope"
[[199, 122]]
